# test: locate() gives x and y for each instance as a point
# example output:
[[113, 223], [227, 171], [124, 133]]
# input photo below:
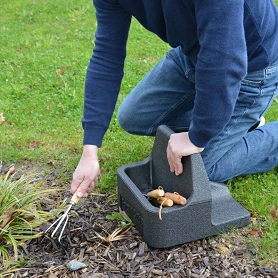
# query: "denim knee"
[[132, 122], [216, 174], [123, 119], [127, 121]]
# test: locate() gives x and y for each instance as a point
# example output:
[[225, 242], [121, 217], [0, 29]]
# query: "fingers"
[[84, 180], [174, 161], [84, 187], [75, 184], [178, 166], [169, 158], [179, 145]]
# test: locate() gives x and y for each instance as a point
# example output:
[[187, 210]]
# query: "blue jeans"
[[166, 96]]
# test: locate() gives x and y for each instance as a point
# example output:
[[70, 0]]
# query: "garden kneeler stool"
[[210, 208]]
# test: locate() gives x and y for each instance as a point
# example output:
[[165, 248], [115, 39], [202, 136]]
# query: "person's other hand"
[[179, 145], [87, 172]]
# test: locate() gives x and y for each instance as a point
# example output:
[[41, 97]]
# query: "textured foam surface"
[[210, 208]]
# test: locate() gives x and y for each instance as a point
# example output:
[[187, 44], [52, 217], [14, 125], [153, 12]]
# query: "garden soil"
[[86, 241]]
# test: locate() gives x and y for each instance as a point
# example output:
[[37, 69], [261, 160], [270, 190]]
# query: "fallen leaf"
[[11, 170], [223, 248], [34, 145], [2, 119], [274, 212], [59, 72], [25, 274], [254, 232], [7, 217]]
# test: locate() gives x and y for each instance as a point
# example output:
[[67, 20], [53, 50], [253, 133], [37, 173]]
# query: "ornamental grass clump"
[[20, 214]]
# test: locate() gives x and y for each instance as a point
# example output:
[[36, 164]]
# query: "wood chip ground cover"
[[219, 256]]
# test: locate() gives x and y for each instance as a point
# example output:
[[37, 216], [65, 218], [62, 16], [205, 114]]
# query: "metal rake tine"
[[62, 218], [56, 221], [64, 226]]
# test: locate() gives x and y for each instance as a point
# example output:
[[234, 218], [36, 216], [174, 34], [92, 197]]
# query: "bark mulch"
[[225, 255], [218, 256]]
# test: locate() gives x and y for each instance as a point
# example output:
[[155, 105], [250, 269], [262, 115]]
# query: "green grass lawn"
[[45, 48]]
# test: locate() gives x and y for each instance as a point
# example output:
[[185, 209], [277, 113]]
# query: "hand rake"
[[63, 219]]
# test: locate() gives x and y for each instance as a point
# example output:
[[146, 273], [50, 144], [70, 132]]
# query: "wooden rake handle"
[[74, 199]]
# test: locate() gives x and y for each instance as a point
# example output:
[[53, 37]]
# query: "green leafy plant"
[[125, 224], [20, 214], [123, 219]]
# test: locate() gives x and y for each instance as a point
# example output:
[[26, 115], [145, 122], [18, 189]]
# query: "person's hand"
[[87, 172], [179, 145]]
